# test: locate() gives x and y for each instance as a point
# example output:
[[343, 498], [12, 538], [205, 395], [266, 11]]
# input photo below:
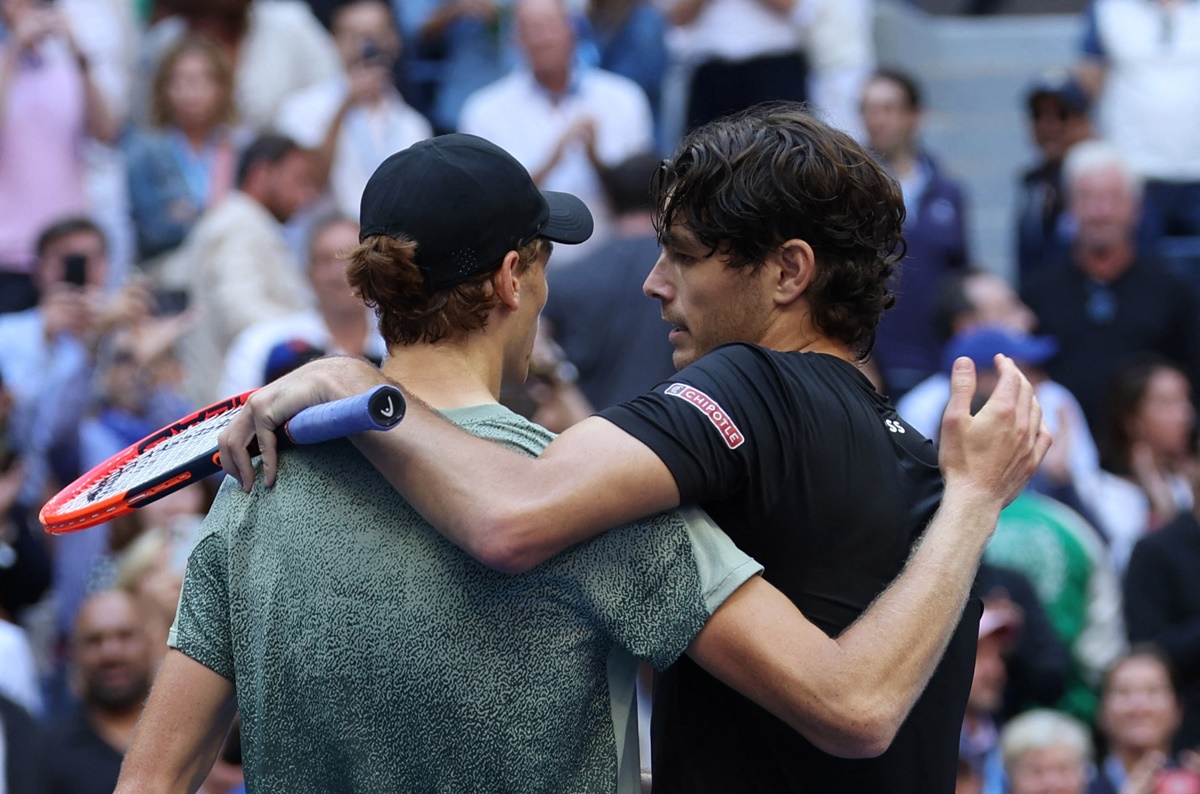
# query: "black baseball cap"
[[466, 203]]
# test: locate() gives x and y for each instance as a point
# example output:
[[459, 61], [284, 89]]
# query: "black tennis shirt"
[[813, 473]]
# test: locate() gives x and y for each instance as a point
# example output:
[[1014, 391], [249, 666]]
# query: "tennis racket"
[[186, 451]]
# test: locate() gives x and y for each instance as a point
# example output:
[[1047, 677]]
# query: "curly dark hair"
[[383, 272], [747, 183]]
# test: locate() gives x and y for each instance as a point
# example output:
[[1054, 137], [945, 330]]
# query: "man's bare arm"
[[850, 695], [507, 510], [181, 730]]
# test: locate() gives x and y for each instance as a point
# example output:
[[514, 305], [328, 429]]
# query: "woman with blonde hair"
[[185, 161]]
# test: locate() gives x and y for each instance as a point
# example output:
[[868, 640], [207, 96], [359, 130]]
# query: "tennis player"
[[780, 237]]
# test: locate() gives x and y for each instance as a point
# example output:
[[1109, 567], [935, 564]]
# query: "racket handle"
[[379, 409]]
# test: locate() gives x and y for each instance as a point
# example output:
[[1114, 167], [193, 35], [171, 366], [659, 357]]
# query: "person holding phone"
[[48, 104], [354, 122], [48, 360]]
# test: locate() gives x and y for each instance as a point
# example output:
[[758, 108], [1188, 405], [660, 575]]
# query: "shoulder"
[[611, 84], [496, 93], [143, 142], [499, 424]]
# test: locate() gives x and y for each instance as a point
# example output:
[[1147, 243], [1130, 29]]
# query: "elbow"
[[505, 544], [860, 726]]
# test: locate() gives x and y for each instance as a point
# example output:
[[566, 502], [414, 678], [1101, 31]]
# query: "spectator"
[[1142, 59], [1113, 302], [1046, 752], [841, 52], [1039, 660], [907, 347], [276, 48], [1139, 715], [964, 301], [1146, 452], [1064, 559], [18, 733], [1071, 473], [563, 122], [184, 163], [236, 264], [630, 40], [1162, 606], [49, 350], [81, 752], [339, 324], [463, 45], [999, 627], [354, 122], [742, 52], [596, 310], [48, 105], [1058, 115]]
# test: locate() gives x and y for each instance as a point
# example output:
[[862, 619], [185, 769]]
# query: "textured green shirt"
[[370, 654]]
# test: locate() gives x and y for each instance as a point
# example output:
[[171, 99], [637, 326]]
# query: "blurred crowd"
[[179, 180]]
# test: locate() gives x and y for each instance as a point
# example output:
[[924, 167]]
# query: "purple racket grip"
[[379, 409]]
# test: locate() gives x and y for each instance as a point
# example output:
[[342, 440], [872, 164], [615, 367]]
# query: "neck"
[[115, 726], [449, 374], [901, 162], [1105, 263], [555, 81], [1130, 757], [802, 336], [197, 137]]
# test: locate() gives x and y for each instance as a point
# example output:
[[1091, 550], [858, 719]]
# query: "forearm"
[[325, 152], [849, 695], [894, 647], [507, 510], [186, 719], [98, 120]]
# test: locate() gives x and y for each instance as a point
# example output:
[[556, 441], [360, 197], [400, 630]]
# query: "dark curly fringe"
[[747, 183], [383, 272]]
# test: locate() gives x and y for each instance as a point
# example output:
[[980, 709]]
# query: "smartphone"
[[75, 269], [170, 301]]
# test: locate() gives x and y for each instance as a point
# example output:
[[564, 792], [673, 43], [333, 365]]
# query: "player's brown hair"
[[747, 183], [384, 273]]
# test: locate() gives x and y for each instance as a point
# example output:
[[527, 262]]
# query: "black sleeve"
[[1151, 611], [716, 424]]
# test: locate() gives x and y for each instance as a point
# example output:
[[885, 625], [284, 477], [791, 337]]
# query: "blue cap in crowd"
[[1062, 85], [983, 343]]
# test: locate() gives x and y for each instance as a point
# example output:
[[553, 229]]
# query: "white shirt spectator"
[[369, 135], [1150, 104], [238, 270], [520, 116], [738, 30]]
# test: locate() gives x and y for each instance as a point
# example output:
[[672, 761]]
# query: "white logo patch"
[[709, 407]]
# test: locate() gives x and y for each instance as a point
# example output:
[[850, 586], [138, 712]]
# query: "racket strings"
[[158, 461]]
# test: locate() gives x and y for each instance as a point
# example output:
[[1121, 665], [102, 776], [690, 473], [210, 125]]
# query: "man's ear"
[[797, 265], [506, 283]]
